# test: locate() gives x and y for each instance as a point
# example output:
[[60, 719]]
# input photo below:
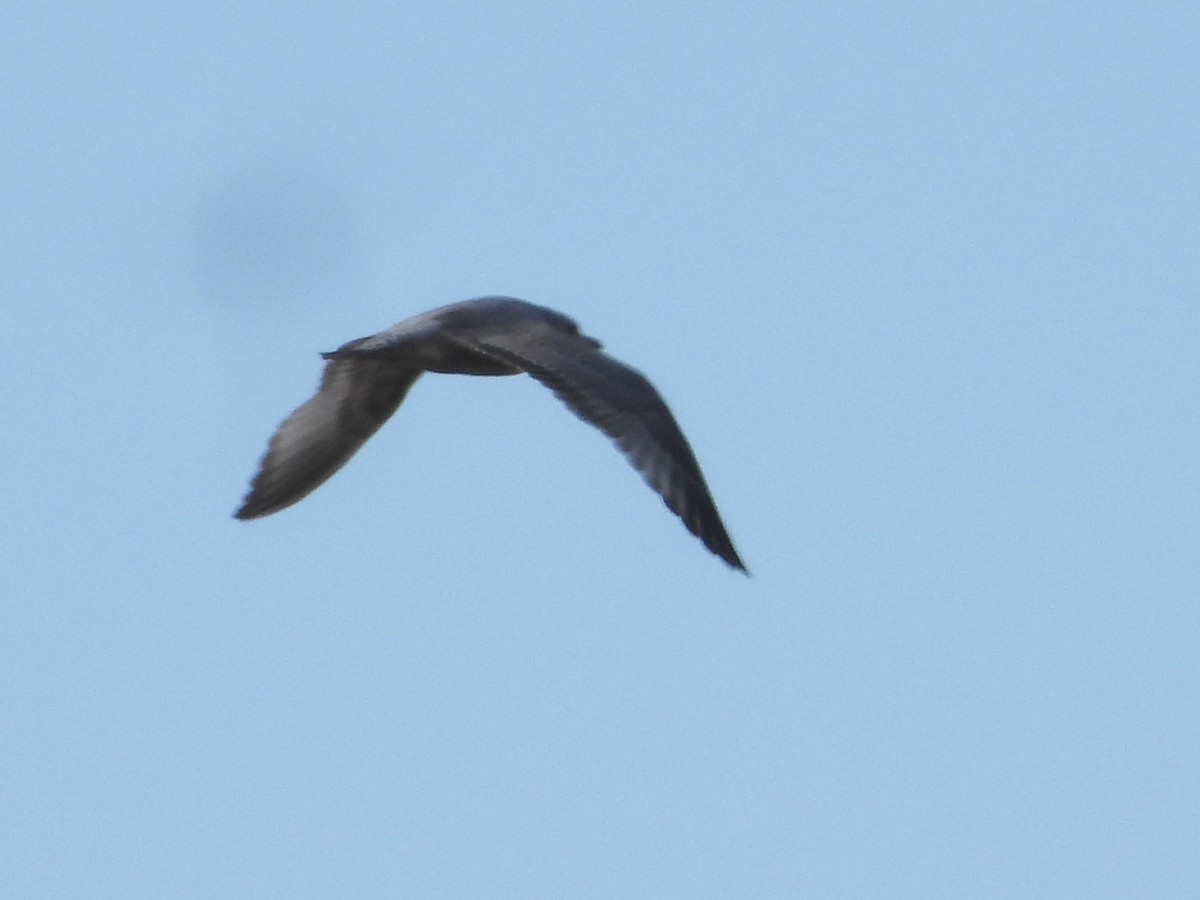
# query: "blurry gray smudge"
[[274, 240]]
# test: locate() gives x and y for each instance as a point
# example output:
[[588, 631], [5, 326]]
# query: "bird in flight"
[[365, 381]]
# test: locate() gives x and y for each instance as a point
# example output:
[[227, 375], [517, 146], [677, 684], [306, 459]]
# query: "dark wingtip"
[[729, 556], [705, 523], [254, 506]]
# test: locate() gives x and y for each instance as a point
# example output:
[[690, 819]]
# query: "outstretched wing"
[[622, 403], [356, 396]]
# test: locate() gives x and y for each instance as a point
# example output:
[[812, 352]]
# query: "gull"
[[365, 381]]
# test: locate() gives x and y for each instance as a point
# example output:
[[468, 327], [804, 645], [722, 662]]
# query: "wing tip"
[[257, 504], [724, 551], [249, 510], [735, 562]]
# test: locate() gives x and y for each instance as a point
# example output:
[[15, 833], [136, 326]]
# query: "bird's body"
[[365, 381]]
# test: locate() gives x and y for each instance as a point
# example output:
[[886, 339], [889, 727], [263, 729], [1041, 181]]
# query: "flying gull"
[[365, 381]]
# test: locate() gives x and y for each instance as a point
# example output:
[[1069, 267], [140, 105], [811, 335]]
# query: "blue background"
[[920, 283]]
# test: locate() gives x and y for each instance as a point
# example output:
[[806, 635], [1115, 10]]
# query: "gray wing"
[[356, 396], [622, 403]]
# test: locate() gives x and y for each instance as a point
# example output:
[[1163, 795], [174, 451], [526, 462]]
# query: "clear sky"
[[920, 284]]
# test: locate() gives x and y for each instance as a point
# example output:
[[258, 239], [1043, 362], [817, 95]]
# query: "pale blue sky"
[[919, 283]]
